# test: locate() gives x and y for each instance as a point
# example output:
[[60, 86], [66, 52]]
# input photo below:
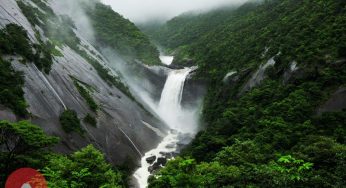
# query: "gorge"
[[239, 93]]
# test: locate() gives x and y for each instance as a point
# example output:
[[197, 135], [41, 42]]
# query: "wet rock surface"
[[154, 168], [161, 161], [152, 79], [169, 155], [157, 165], [6, 113], [120, 130], [158, 161], [230, 78], [257, 77], [336, 102], [194, 90], [151, 159]]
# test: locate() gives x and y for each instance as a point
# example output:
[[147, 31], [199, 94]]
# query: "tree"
[[23, 137], [187, 173], [287, 171], [22, 143], [11, 92], [84, 168]]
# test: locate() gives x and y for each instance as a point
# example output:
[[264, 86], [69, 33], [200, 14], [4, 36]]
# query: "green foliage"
[[228, 39], [11, 92], [89, 119], [14, 40], [187, 173], [112, 30], [187, 28], [285, 172], [70, 122], [24, 137], [42, 57], [240, 153], [84, 168], [86, 95], [24, 144], [30, 13], [288, 170], [277, 118], [58, 29]]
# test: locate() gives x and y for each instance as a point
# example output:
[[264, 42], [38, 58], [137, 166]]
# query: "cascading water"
[[169, 108], [183, 122]]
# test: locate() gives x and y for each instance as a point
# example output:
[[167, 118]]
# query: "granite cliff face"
[[124, 129]]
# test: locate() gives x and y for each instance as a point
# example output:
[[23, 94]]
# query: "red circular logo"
[[26, 178]]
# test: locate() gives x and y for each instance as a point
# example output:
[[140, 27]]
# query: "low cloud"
[[140, 11]]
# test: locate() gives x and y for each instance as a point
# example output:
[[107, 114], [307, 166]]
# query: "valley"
[[237, 94]]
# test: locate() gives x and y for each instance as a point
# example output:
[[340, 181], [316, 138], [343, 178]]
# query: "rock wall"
[[194, 91], [122, 125]]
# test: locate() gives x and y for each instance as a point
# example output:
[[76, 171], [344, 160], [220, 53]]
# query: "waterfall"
[[182, 122], [169, 108]]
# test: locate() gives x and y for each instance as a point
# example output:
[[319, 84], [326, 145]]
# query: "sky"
[[140, 11]]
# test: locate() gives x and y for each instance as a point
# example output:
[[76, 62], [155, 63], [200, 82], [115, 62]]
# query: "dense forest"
[[273, 135], [275, 132]]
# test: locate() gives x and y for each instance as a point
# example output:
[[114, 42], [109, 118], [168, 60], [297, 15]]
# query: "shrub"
[[70, 122], [89, 119], [11, 92], [86, 95]]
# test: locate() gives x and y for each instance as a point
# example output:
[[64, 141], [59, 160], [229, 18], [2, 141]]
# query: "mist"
[[74, 10], [140, 11], [142, 88]]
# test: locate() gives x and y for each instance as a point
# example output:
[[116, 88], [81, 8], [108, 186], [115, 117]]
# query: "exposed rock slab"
[[120, 131], [336, 102]]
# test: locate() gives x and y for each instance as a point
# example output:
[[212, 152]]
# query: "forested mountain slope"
[[111, 29], [177, 34], [275, 108], [187, 28]]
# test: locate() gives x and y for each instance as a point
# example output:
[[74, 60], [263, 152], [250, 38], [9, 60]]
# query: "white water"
[[177, 118], [142, 174], [169, 108], [167, 60]]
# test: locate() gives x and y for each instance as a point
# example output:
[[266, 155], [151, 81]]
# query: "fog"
[[134, 75], [140, 11], [76, 13]]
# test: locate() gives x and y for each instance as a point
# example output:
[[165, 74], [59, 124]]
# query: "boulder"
[[154, 168], [161, 161], [167, 155], [151, 159]]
